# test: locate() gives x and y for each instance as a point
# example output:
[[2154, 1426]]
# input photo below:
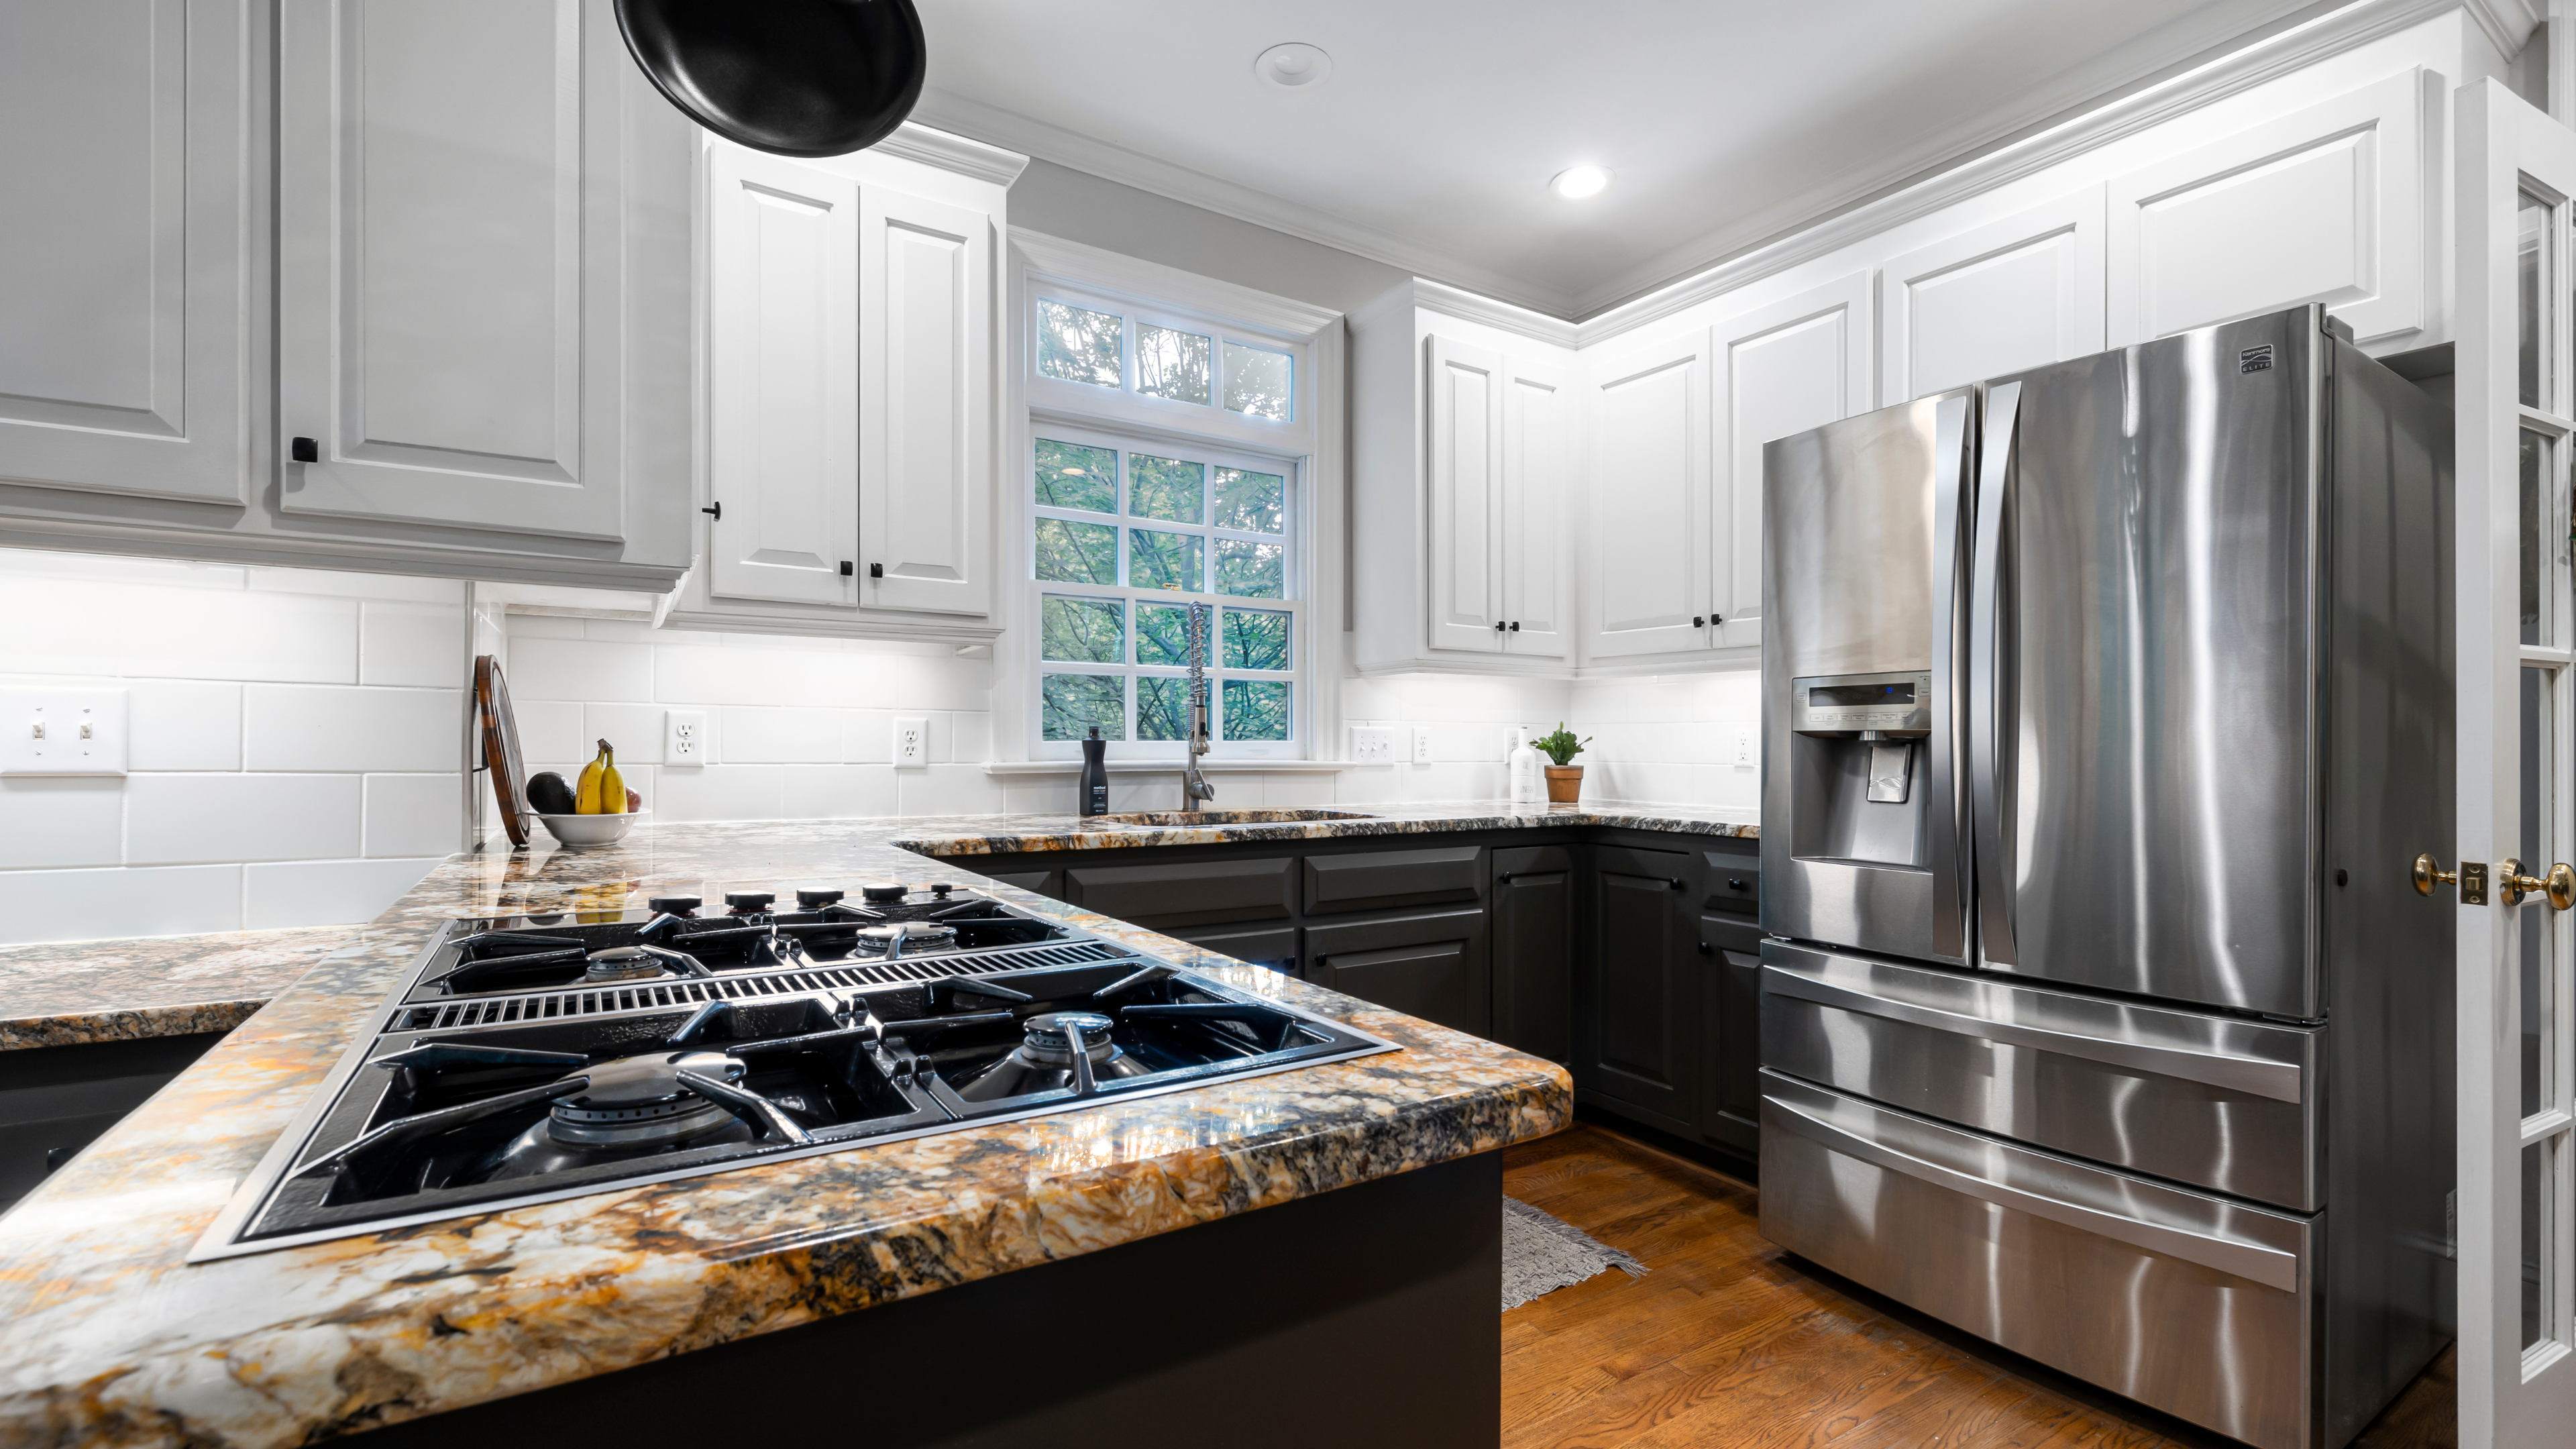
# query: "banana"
[[602, 790]]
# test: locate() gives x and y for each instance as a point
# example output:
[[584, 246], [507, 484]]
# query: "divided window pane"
[[1070, 704], [1077, 553], [1257, 382], [1070, 475], [1252, 502], [1162, 634], [1256, 709], [1085, 631], [1171, 363], [1254, 639], [1162, 708], [1166, 488], [1249, 569], [1159, 560], [1080, 345]]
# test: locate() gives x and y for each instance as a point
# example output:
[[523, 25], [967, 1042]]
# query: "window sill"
[[1167, 767]]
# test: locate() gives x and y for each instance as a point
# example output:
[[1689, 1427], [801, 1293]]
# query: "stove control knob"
[[885, 894], [746, 902], [675, 905], [942, 889], [816, 900]]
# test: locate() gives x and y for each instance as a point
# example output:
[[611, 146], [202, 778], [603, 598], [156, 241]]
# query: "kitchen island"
[[112, 1338]]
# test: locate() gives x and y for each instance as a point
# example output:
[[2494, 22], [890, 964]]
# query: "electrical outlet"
[[911, 741], [1748, 748], [1421, 745], [684, 737], [1372, 745], [62, 732]]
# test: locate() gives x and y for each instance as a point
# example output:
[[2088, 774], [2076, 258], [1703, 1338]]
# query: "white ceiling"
[[1430, 146]]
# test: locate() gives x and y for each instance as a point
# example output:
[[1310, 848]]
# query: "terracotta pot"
[[1564, 784]]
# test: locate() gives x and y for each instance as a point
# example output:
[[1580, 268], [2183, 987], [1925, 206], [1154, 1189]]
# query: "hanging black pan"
[[792, 77]]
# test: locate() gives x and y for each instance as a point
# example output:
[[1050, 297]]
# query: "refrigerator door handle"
[[1988, 753], [2255, 1262], [1952, 488]]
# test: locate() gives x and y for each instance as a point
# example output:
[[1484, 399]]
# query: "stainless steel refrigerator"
[[2104, 708]]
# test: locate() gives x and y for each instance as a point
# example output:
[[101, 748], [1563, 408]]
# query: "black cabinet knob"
[[1498, 626], [304, 450], [1706, 949], [1516, 626], [1699, 621], [1504, 879], [1735, 882], [1717, 618], [876, 571], [848, 568], [1674, 881], [714, 511]]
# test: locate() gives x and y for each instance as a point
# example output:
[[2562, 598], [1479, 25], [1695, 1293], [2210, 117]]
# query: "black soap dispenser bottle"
[[1095, 774]]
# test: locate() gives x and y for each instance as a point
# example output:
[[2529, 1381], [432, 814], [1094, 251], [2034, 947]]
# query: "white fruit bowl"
[[592, 829]]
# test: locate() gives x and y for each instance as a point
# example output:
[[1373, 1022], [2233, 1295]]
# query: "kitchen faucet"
[[1194, 786]]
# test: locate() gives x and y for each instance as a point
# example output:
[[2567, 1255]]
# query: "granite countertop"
[[108, 1337], [78, 992]]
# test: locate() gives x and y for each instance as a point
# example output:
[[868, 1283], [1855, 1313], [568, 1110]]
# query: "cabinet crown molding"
[[915, 142]]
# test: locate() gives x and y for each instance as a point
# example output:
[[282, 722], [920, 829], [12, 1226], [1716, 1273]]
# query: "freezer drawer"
[[2210, 1101], [2191, 1304]]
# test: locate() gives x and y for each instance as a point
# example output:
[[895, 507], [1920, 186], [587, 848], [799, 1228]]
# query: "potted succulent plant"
[[1564, 778]]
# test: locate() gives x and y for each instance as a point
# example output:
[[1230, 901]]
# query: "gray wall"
[[1083, 208]]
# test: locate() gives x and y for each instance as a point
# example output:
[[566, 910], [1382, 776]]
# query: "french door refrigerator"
[[2104, 708]]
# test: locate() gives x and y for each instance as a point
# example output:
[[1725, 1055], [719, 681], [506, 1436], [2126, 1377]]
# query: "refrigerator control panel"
[[1836, 704]]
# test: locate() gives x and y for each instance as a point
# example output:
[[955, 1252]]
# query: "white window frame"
[[1307, 448]]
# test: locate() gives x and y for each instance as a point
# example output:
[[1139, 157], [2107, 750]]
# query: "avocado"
[[548, 794]]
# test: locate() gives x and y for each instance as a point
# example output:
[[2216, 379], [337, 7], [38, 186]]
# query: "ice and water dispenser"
[[1857, 747]]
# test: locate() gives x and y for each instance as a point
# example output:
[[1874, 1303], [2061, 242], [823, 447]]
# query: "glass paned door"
[[2516, 395]]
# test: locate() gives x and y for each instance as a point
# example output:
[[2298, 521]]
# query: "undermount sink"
[[1168, 818]]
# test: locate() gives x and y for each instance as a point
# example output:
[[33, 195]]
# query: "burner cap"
[[1045, 1040], [883, 893], [634, 1101], [915, 934], [623, 963]]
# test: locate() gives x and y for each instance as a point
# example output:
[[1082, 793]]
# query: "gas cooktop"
[[531, 1058]]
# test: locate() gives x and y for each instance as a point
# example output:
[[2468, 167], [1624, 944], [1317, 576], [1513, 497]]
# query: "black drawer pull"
[[1504, 879], [1674, 881], [1735, 882], [1706, 949]]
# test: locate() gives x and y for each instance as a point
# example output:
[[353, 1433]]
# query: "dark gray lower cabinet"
[[1533, 950], [54, 1099], [1270, 943], [1643, 1014], [1731, 1030], [1185, 893], [1431, 965]]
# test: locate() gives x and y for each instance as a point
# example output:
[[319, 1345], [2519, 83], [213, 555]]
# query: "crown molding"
[[1099, 268], [2274, 56], [1468, 306], [2508, 23], [1197, 188], [967, 157]]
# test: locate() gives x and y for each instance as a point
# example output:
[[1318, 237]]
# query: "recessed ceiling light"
[[1294, 66], [1577, 182]]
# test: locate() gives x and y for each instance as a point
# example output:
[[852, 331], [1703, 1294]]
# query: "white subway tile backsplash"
[[836, 792], [1297, 792], [1042, 794], [86, 905], [551, 729], [61, 820], [547, 626], [757, 736], [956, 790], [325, 892], [583, 669], [300, 728], [181, 819], [635, 730], [183, 725], [347, 585], [411, 643], [970, 738], [414, 815], [706, 674], [119, 569], [721, 792], [63, 625]]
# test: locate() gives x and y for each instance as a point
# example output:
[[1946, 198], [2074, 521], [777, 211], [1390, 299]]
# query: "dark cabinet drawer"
[[1431, 965], [1385, 879], [1264, 945], [1036, 882], [1191, 894], [1734, 880]]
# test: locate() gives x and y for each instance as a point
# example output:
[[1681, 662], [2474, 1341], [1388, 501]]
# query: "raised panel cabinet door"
[[1537, 451], [473, 304], [1532, 936], [1645, 982], [1650, 491], [2322, 205], [1730, 955], [1431, 964], [2012, 294], [783, 370], [925, 405], [126, 329], [1799, 363], [1463, 490]]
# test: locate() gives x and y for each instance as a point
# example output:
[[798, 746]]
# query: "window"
[[1126, 534], [1164, 358]]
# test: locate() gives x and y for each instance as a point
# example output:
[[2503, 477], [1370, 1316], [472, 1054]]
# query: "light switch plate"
[[62, 731], [1421, 745], [684, 737], [911, 741], [1372, 745]]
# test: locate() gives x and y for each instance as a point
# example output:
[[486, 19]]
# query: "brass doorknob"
[[2428, 872], [2559, 885]]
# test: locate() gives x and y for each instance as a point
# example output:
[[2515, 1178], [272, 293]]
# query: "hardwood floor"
[[1729, 1341]]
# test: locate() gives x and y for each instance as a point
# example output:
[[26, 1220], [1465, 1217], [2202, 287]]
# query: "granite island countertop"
[[108, 1337], [76, 993]]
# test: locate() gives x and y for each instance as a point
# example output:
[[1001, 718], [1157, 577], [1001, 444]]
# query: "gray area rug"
[[1542, 1254]]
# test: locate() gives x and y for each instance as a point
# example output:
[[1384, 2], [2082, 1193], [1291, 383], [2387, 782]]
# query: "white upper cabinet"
[[459, 317], [925, 405], [1464, 493], [126, 330], [1796, 364], [2321, 205], [1538, 435], [2013, 294], [783, 414], [1651, 509]]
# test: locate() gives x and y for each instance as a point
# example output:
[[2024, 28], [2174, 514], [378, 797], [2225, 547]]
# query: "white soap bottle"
[[1529, 781]]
